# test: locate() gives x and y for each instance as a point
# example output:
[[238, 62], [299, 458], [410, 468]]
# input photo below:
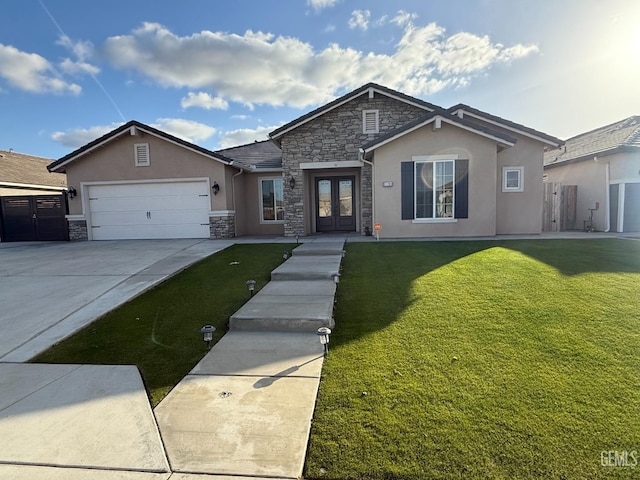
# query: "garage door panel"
[[150, 210]]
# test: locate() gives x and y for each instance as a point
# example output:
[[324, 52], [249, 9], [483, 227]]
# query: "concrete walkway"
[[246, 408]]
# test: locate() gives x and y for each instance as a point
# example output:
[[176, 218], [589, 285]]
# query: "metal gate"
[[37, 217]]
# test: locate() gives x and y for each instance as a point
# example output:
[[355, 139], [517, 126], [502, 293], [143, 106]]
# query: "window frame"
[[377, 121], [137, 157], [505, 172], [434, 159], [261, 200]]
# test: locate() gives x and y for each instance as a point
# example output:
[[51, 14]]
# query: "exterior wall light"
[[72, 192], [207, 333], [215, 188], [323, 334], [292, 182], [251, 284]]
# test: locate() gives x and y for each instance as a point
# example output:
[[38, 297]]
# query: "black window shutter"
[[407, 185], [462, 189]]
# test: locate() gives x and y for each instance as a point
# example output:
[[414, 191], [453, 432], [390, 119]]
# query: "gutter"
[[607, 193]]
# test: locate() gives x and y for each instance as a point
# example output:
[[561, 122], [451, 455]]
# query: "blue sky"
[[222, 73]]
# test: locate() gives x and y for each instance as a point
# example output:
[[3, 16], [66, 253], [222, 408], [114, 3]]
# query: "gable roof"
[[499, 137], [130, 128], [369, 87], [504, 123], [622, 136], [263, 155], [22, 170]]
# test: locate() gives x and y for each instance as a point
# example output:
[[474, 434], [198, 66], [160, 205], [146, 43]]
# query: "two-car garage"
[[148, 210]]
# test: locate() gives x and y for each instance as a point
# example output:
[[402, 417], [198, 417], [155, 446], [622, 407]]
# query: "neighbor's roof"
[[506, 124], [257, 155], [129, 128], [499, 137], [348, 97], [622, 136], [19, 169]]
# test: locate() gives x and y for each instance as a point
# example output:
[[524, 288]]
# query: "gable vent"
[[370, 121], [142, 154]]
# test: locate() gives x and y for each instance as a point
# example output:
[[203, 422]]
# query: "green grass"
[[159, 331], [485, 360]]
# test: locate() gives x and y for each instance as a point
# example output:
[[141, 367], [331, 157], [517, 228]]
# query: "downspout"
[[607, 196], [373, 188], [233, 200]]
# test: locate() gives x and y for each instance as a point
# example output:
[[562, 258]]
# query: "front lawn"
[[159, 331], [501, 360]]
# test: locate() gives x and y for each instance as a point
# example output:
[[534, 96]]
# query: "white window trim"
[[138, 163], [262, 220], [364, 121], [520, 187], [433, 159]]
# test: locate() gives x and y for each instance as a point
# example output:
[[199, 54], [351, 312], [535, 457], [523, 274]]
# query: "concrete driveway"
[[48, 290]]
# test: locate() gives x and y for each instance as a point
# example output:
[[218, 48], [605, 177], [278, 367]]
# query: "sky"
[[224, 73]]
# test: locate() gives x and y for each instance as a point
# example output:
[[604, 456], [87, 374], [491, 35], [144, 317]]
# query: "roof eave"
[[546, 139]]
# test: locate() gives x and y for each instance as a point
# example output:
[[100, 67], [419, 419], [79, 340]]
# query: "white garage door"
[[149, 210]]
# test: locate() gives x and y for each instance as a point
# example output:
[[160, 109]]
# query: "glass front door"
[[335, 204]]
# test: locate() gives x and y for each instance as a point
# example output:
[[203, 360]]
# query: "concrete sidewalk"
[[246, 408]]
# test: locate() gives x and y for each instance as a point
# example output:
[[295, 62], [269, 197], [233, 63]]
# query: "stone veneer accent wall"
[[337, 136], [222, 227], [78, 230]]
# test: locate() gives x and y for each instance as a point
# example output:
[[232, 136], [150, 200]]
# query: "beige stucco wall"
[[590, 177], [115, 162], [248, 206], [520, 212], [481, 153], [625, 167]]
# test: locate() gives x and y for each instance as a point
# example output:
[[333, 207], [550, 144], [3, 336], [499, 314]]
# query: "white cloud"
[[240, 117], [77, 137], [242, 136], [403, 18], [321, 4], [360, 19], [185, 129], [203, 100], [76, 68], [261, 68], [81, 49], [31, 72], [330, 28]]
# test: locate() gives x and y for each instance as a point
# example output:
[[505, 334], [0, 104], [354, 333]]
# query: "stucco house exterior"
[[373, 157], [605, 165]]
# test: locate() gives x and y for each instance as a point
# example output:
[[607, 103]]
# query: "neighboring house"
[[605, 165], [22, 174], [32, 204], [374, 156]]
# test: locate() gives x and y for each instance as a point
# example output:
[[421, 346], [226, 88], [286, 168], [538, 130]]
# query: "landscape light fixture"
[[292, 182], [336, 278], [285, 255], [215, 188], [207, 333], [252, 286], [323, 334]]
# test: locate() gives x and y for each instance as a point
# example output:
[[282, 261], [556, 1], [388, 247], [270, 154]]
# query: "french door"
[[335, 204]]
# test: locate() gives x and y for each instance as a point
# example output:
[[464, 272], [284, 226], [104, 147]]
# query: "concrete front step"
[[298, 306], [308, 267], [319, 248]]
